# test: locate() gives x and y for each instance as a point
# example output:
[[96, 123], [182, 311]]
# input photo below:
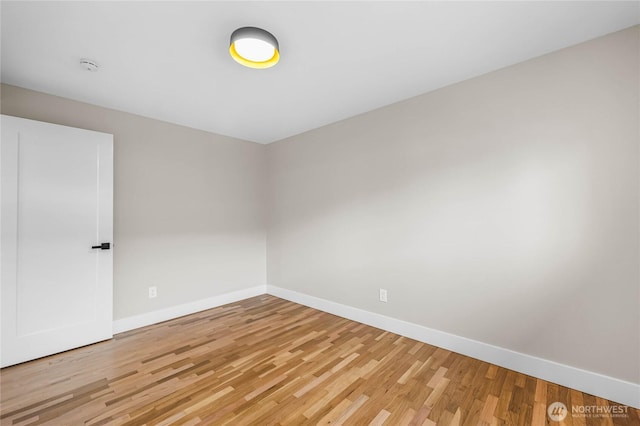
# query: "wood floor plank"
[[267, 361]]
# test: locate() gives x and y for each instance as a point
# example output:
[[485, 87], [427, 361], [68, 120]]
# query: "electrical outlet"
[[383, 295], [153, 292]]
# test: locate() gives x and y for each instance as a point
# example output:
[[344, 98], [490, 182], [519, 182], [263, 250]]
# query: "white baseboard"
[[593, 383], [137, 321]]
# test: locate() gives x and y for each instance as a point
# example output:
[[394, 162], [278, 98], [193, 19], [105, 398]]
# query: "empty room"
[[320, 212]]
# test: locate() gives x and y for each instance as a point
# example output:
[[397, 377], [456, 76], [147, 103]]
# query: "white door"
[[57, 203]]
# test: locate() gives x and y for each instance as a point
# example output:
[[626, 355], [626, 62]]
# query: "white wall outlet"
[[153, 292], [383, 295]]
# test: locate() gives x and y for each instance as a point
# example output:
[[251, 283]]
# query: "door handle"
[[103, 246]]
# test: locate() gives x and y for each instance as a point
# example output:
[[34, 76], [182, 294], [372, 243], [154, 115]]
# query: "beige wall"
[[503, 209], [188, 208]]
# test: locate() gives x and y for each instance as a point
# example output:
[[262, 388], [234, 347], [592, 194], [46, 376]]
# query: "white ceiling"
[[170, 61]]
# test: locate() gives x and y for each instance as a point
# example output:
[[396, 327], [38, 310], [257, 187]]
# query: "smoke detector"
[[89, 64]]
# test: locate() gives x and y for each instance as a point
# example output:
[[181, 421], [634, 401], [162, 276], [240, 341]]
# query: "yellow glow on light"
[[254, 64]]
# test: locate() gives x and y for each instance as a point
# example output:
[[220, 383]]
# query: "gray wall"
[[188, 208], [503, 209]]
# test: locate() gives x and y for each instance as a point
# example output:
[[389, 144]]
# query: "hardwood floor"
[[267, 361]]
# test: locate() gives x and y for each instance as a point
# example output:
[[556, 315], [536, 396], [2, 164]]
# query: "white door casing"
[[57, 202]]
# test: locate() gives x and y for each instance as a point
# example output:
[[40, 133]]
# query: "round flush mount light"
[[254, 48], [89, 64]]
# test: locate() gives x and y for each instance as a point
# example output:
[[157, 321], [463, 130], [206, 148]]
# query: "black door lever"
[[103, 246]]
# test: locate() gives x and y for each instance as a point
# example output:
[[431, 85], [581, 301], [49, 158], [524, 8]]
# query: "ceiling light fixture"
[[254, 48]]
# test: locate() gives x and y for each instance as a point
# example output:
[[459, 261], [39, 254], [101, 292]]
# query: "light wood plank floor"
[[267, 361]]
